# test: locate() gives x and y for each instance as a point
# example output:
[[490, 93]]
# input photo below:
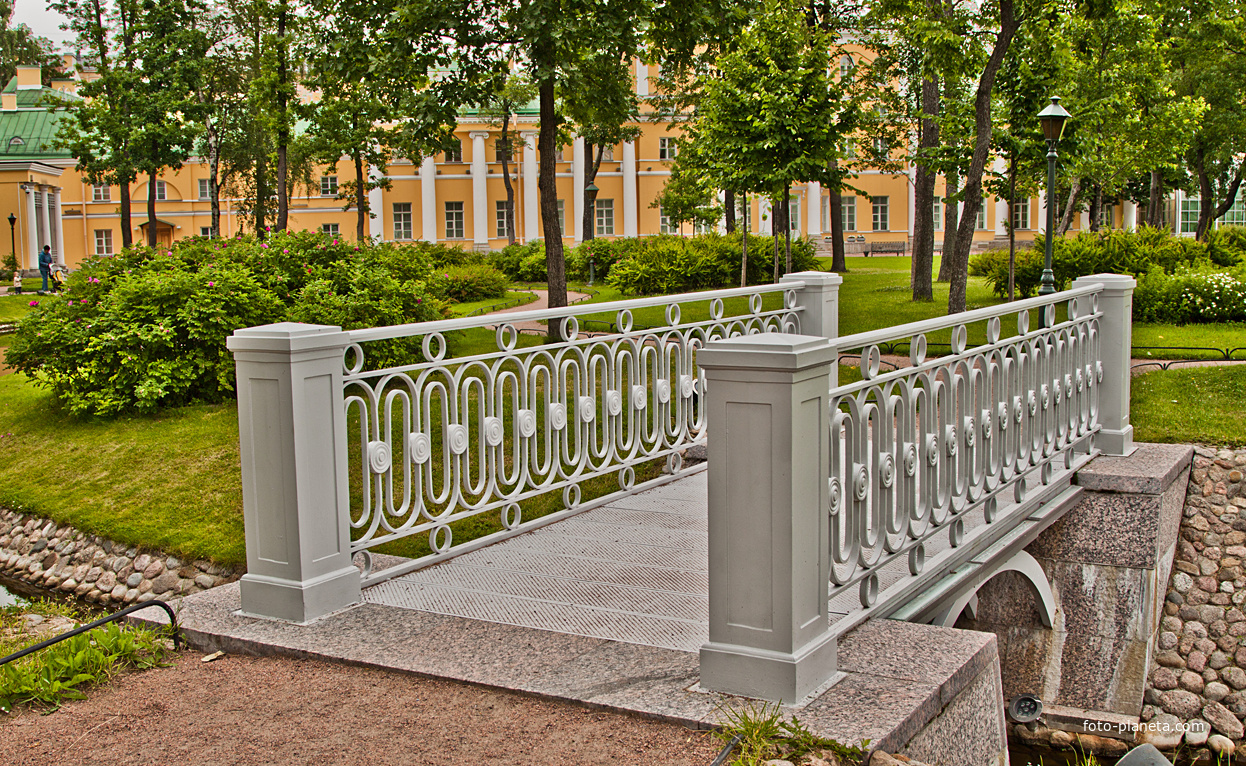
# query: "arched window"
[[846, 66], [16, 141]]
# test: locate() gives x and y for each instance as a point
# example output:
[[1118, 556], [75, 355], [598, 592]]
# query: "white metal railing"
[[446, 439], [914, 450]]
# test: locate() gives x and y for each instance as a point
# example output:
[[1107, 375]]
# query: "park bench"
[[895, 248]]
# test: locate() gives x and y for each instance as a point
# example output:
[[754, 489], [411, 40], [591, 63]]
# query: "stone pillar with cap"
[[1116, 436], [295, 503], [768, 398]]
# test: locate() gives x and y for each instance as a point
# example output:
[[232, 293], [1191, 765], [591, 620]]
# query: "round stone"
[[205, 581], [1164, 679], [1181, 703], [1182, 582], [1216, 691], [1235, 677], [1191, 682], [118, 592], [1223, 721], [1218, 660], [1196, 661], [1221, 745], [1198, 733], [141, 562], [153, 570], [1167, 640], [134, 579]]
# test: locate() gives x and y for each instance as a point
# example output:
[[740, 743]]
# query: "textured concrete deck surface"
[[609, 609]]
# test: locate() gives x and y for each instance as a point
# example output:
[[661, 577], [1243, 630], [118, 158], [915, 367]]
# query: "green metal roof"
[[36, 129], [37, 97]]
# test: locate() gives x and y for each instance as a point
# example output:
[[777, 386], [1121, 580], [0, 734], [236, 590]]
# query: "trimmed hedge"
[[463, 284], [147, 328]]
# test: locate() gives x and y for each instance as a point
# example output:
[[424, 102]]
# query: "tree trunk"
[[744, 246], [787, 228], [1070, 207], [283, 130], [547, 138], [127, 226], [951, 223], [923, 195], [590, 198], [214, 176], [1208, 210], [729, 209], [151, 208], [362, 211], [775, 222], [838, 264], [506, 176], [959, 269], [1096, 207], [1012, 230], [261, 197], [1154, 208]]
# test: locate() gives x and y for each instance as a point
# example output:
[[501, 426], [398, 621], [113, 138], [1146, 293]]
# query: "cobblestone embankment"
[[1199, 666], [58, 557]]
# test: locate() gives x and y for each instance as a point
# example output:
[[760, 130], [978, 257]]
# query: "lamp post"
[[590, 226], [17, 280], [1052, 118]]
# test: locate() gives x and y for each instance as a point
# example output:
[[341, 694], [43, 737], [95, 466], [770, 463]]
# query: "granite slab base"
[[934, 689]]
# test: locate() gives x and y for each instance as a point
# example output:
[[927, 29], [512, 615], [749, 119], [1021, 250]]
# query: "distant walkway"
[[541, 302]]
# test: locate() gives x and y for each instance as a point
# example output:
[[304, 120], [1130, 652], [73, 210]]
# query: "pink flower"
[[211, 284], [335, 241], [286, 250], [264, 244], [34, 303]]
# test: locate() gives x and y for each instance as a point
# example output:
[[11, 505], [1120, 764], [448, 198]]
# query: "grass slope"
[[1201, 404]]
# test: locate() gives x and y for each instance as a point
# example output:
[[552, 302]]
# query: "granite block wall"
[[1108, 561]]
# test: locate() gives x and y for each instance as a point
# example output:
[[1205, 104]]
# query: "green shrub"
[[670, 264], [1190, 296], [1115, 252], [147, 328], [463, 284]]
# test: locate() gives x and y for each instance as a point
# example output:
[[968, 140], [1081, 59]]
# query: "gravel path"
[[248, 710]]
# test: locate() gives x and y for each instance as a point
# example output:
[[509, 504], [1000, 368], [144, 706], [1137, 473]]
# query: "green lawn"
[[14, 307], [511, 298], [1206, 405]]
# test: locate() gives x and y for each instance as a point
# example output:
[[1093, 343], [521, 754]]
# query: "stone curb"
[[58, 557]]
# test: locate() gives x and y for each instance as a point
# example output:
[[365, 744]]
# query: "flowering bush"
[[147, 328], [1190, 296]]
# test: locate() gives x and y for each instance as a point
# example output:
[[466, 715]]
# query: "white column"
[[576, 208], [58, 228], [32, 229], [428, 199], [1084, 220], [768, 516], [1129, 215], [376, 205], [1115, 338], [1041, 224], [819, 299], [295, 503], [912, 215], [1177, 198], [1001, 217], [480, 190], [531, 193], [642, 78], [813, 209], [631, 217], [45, 220]]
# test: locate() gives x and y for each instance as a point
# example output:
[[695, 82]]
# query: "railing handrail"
[[534, 315], [871, 337]]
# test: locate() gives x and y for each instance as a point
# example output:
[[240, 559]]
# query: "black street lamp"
[[13, 244], [1052, 118], [591, 193]]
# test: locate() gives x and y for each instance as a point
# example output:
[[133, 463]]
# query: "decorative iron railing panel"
[[443, 440], [916, 449]]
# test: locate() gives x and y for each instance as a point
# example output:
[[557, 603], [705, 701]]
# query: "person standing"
[[45, 265]]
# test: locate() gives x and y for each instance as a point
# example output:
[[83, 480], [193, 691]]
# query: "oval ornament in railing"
[[886, 469], [860, 481], [493, 431], [917, 559], [571, 496], [526, 420], [427, 346], [440, 539], [587, 409], [910, 459], [557, 416], [512, 515], [623, 320], [506, 337], [419, 447], [835, 494], [456, 437], [687, 386], [640, 398], [672, 314], [663, 387], [716, 309], [627, 478], [379, 458], [869, 590], [917, 349], [614, 403]]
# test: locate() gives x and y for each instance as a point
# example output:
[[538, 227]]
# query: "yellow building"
[[455, 197]]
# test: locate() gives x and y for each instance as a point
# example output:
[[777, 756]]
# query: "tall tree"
[[514, 93], [20, 46], [599, 102]]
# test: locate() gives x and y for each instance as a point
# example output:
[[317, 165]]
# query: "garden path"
[[541, 302]]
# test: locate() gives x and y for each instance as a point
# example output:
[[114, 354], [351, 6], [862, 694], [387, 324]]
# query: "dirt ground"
[[247, 710]]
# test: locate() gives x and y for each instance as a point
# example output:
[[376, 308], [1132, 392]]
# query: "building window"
[[455, 151], [881, 214], [328, 186], [938, 213], [979, 221], [1021, 215], [454, 220], [499, 150], [103, 241], [562, 216], [1235, 215], [848, 213], [1106, 218], [704, 227], [850, 149], [101, 193], [826, 214], [402, 220], [667, 149], [330, 228], [664, 223], [605, 217], [162, 190], [1189, 215], [845, 67], [203, 188], [502, 207], [881, 149], [607, 154], [793, 216], [205, 231]]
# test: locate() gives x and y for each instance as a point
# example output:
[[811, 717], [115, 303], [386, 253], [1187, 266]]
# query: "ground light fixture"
[[1025, 708], [1052, 119]]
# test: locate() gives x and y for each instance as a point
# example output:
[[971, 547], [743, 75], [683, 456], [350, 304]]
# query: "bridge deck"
[[635, 570]]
